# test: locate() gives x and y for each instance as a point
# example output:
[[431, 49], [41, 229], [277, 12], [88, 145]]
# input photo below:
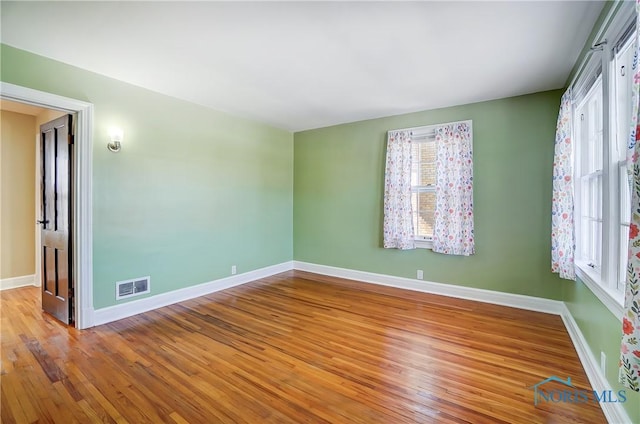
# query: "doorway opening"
[[81, 189]]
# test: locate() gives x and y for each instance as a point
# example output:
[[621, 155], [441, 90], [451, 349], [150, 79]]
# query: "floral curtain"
[[562, 230], [398, 216], [630, 350], [453, 226]]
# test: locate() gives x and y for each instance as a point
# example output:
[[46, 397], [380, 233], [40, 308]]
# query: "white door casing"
[[81, 189]]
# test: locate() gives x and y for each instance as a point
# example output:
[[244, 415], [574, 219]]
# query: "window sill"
[[607, 297], [424, 244]]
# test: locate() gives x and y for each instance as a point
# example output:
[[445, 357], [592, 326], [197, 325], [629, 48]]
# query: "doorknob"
[[43, 221]]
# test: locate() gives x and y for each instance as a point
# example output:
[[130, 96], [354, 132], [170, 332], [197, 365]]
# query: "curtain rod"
[[598, 45], [432, 125]]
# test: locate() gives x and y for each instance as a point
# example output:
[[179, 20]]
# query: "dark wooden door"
[[57, 283]]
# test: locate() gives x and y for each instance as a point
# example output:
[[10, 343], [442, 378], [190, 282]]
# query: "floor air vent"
[[133, 287]]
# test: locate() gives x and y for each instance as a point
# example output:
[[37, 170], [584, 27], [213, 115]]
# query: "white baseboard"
[[15, 282], [124, 310], [530, 303], [614, 412]]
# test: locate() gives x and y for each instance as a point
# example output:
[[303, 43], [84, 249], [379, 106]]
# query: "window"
[[423, 184], [420, 208], [601, 124], [589, 148], [622, 73]]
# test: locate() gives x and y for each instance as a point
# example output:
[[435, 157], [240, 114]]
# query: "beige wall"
[[17, 194]]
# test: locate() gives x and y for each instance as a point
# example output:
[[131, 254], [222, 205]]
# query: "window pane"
[[428, 164], [598, 197], [585, 203], [593, 231], [623, 77], [625, 195], [585, 155], [597, 244], [415, 164], [423, 179], [592, 197], [585, 239], [579, 133], [426, 204], [414, 211], [597, 154], [624, 256], [594, 126]]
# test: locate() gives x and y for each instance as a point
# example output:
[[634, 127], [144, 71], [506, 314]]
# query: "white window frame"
[[584, 116], [426, 134], [618, 159], [605, 283]]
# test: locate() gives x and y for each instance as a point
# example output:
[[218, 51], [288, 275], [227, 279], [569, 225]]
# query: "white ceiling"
[[303, 65]]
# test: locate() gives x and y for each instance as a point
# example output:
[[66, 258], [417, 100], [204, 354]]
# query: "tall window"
[[423, 184], [589, 182], [622, 73], [428, 190], [602, 116]]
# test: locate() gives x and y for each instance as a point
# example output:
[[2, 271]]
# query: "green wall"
[[192, 192], [338, 188], [603, 332]]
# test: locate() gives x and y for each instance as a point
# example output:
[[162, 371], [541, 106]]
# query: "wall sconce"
[[115, 134]]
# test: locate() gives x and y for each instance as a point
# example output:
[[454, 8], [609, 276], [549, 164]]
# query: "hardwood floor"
[[292, 348]]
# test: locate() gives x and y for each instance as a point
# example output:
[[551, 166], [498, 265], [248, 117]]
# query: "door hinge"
[[70, 138], [71, 293]]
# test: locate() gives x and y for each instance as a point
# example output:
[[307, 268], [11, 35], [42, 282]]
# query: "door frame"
[[81, 164]]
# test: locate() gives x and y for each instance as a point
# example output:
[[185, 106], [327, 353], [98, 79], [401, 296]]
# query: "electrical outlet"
[[420, 275], [603, 363], [234, 270]]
